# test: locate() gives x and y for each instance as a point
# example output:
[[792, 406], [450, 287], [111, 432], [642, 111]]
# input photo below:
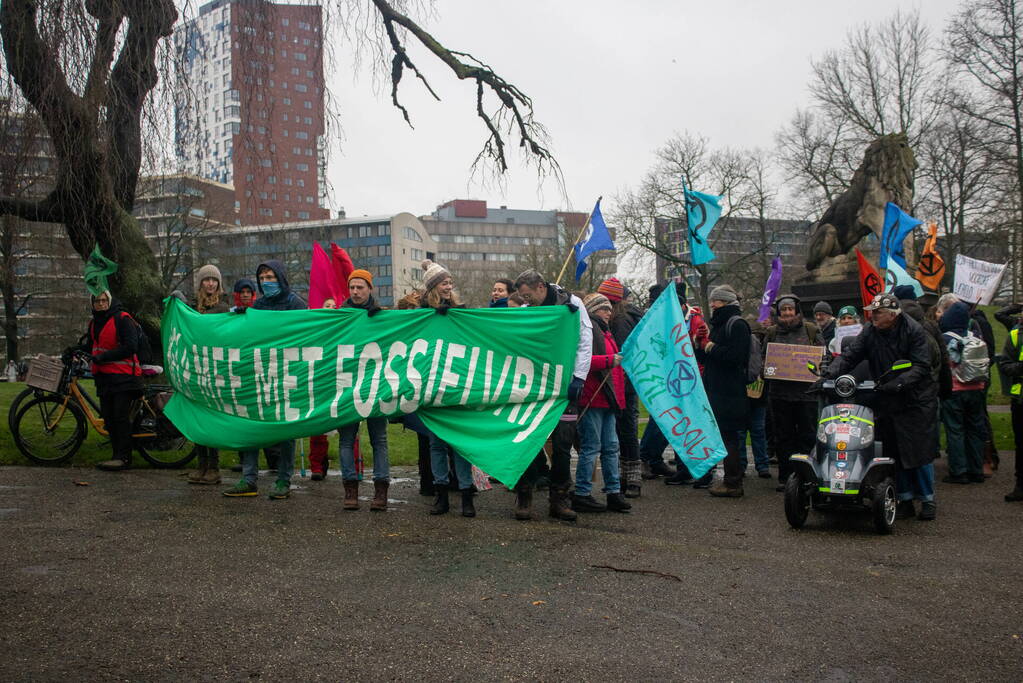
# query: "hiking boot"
[[212, 476], [196, 476], [351, 501], [705, 481], [560, 509], [977, 478], [659, 469], [587, 504], [281, 490], [680, 478], [1014, 496], [523, 501], [928, 511], [317, 476], [955, 479], [722, 490], [242, 488], [616, 503], [468, 509], [905, 510], [115, 465], [379, 503], [441, 505]]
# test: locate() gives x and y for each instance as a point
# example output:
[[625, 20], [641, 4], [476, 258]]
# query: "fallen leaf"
[[539, 602], [80, 483]]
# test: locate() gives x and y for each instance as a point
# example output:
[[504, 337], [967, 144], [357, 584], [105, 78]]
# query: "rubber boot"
[[523, 500], [212, 475], [196, 477], [560, 509], [379, 503], [351, 501], [441, 505], [468, 509]]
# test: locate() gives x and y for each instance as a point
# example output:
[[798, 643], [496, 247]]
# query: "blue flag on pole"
[[702, 212], [897, 224], [896, 275], [596, 238], [658, 357]]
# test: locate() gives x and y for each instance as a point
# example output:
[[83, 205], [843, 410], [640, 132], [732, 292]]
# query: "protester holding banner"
[[275, 295], [439, 294], [244, 294], [793, 411], [536, 291], [964, 412], [1011, 364], [699, 334], [499, 293], [624, 316], [907, 399], [603, 396], [653, 443], [209, 298], [725, 357]]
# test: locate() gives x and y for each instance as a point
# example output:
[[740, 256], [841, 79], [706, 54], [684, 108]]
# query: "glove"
[[441, 310], [572, 307], [575, 389], [889, 388], [373, 312], [240, 310], [816, 386]]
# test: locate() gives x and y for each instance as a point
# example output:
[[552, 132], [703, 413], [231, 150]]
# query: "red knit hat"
[[612, 289]]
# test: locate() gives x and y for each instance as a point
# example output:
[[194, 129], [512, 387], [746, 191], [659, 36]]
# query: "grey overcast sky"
[[610, 79]]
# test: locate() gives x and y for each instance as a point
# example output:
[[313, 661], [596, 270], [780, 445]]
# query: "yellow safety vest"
[[1017, 388]]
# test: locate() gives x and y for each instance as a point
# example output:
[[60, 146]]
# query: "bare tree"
[[813, 152]]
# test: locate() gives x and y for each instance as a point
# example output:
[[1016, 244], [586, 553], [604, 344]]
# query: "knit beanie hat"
[[848, 310], [786, 300], [209, 270], [724, 293], [612, 289], [434, 273], [904, 293], [823, 307], [595, 302], [364, 274]]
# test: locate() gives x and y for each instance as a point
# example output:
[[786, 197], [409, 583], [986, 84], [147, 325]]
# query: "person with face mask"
[[793, 412], [906, 408], [275, 295]]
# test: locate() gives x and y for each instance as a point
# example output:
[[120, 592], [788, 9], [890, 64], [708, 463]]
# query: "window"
[[295, 71], [301, 87], [300, 183], [301, 135], [308, 151], [301, 167], [287, 181], [232, 111], [307, 120], [284, 21], [263, 195], [411, 235], [418, 254], [307, 104], [266, 212], [364, 230], [232, 128], [287, 100], [265, 163], [272, 180], [309, 200], [249, 177], [303, 214], [300, 56], [296, 150]]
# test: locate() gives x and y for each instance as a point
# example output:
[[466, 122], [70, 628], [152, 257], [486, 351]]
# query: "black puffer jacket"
[[622, 325], [943, 372], [914, 406], [724, 374]]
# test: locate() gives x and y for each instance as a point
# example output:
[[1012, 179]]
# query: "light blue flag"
[[597, 238], [658, 357], [702, 211], [896, 275], [897, 224]]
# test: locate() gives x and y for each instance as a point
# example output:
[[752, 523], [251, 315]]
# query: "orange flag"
[[931, 269]]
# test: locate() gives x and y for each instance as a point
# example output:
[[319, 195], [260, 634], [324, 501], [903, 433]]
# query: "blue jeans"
[[439, 465], [915, 483], [285, 462], [653, 443], [597, 436], [758, 438], [377, 427]]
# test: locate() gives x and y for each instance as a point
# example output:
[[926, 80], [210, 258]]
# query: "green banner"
[[490, 382]]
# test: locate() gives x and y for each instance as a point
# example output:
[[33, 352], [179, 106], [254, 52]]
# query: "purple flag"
[[770, 290]]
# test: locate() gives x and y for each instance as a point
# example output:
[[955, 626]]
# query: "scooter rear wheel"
[[797, 501], [883, 506]]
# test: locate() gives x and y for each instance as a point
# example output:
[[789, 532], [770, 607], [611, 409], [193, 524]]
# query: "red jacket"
[[598, 399], [699, 333]]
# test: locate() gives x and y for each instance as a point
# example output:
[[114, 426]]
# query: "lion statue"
[[886, 175]]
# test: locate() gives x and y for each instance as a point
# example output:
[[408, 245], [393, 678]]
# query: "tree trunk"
[[10, 323]]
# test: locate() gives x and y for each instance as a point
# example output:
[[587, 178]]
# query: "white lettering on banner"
[[419, 348], [218, 380], [397, 350], [431, 380], [500, 382], [448, 378], [266, 382], [522, 384], [234, 356], [291, 355], [370, 353], [470, 376], [976, 281], [539, 397], [542, 413], [344, 379], [311, 354]]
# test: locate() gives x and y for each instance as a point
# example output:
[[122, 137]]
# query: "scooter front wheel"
[[883, 506], [797, 501]]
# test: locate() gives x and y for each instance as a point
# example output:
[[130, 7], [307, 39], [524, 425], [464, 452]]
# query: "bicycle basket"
[[45, 374]]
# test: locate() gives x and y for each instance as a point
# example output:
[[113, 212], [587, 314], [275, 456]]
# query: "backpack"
[[973, 363], [755, 362]]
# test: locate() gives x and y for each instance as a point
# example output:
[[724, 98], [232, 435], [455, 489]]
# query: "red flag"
[[870, 280], [343, 267], [323, 283]]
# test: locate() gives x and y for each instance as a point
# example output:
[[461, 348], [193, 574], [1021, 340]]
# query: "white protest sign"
[[976, 281], [841, 333]]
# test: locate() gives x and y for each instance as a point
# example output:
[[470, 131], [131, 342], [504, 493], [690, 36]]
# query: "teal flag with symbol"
[[896, 275], [658, 357], [702, 213]]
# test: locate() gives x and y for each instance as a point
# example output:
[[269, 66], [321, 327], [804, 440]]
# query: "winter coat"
[[238, 287], [725, 364], [557, 296], [914, 406], [943, 373], [598, 393], [1010, 362], [954, 324], [799, 332], [828, 331], [986, 332], [370, 305], [622, 325], [285, 300], [220, 307], [699, 333], [1009, 316], [499, 303]]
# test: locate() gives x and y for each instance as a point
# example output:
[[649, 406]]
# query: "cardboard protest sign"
[[976, 281], [788, 361]]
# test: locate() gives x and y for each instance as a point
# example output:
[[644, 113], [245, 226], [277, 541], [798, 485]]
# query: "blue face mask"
[[271, 289]]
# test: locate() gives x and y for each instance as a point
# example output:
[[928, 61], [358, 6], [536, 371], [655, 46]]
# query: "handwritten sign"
[[788, 361], [977, 281]]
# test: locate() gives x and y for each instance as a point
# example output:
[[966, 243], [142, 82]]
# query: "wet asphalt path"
[[139, 576]]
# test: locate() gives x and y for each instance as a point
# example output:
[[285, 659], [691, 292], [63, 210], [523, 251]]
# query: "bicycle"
[[51, 426]]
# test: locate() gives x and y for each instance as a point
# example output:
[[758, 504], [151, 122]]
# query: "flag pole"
[[577, 238]]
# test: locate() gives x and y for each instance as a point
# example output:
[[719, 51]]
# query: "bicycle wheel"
[[167, 448], [12, 413], [48, 431]]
